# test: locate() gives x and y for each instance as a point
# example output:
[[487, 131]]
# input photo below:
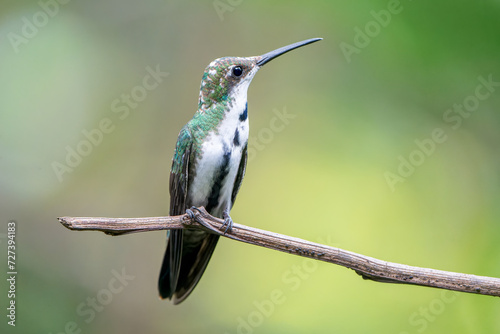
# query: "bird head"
[[228, 78]]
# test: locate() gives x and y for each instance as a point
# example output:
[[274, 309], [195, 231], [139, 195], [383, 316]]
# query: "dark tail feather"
[[164, 286], [171, 265], [185, 260]]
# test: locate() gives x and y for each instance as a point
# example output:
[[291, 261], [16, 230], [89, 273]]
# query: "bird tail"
[[186, 258]]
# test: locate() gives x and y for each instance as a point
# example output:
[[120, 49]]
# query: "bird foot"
[[228, 221], [190, 212], [192, 215]]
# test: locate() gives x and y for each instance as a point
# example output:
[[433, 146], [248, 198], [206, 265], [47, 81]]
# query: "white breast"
[[218, 146]]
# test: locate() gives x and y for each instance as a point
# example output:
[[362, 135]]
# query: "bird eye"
[[237, 71]]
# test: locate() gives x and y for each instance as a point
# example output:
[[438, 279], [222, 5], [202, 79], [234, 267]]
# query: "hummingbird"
[[208, 166]]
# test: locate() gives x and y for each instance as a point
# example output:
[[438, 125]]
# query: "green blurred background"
[[320, 175]]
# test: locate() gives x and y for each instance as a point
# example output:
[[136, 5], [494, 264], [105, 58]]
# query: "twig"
[[367, 267]]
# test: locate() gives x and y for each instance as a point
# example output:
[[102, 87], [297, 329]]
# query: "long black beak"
[[265, 58]]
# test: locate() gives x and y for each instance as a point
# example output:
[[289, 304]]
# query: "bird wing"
[[195, 257], [179, 174], [188, 252]]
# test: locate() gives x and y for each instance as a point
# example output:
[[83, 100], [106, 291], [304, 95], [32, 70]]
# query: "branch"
[[367, 267]]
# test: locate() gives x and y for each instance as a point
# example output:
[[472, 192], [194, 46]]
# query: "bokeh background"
[[319, 174]]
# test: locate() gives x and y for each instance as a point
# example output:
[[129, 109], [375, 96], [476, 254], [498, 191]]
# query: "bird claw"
[[190, 212], [228, 221]]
